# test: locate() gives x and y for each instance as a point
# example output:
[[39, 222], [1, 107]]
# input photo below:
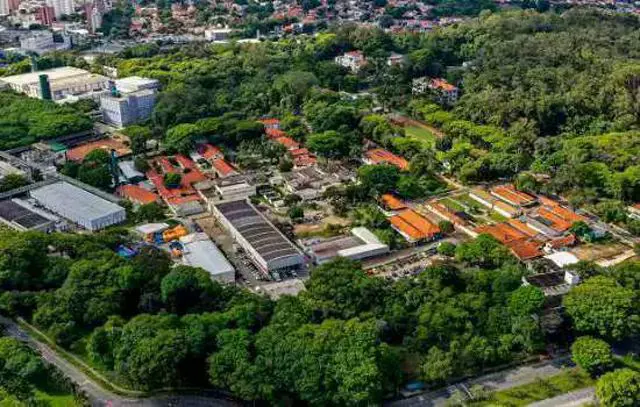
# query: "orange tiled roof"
[[511, 195], [442, 84], [298, 152], [557, 222], [502, 232], [382, 156], [449, 214], [275, 133], [525, 249], [222, 167], [392, 202], [522, 227], [137, 194], [547, 201], [414, 225], [184, 161], [210, 152], [567, 214], [270, 122], [565, 241], [304, 160], [288, 142], [78, 153]]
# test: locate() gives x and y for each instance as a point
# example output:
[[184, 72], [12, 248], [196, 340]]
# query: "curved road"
[[98, 396]]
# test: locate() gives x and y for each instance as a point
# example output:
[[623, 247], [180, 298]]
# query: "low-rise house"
[[354, 60], [414, 227], [513, 197], [137, 194], [381, 156]]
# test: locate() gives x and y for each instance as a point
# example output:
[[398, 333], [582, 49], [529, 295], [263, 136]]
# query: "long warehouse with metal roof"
[[269, 249]]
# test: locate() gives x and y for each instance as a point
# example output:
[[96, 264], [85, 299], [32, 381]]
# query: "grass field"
[[451, 204], [420, 133], [565, 382]]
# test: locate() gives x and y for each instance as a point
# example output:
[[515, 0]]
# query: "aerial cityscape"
[[320, 203]]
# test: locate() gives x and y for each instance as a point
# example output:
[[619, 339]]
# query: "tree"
[[189, 289], [526, 300], [12, 181], [378, 179], [446, 227], [593, 355], [447, 249], [329, 144], [141, 164], [296, 213], [150, 212], [172, 179], [409, 187], [138, 136], [620, 388], [484, 251], [600, 306], [19, 366], [181, 137]]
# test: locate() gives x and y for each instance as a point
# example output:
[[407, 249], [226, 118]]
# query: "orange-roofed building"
[[448, 214], [392, 203], [299, 152], [447, 92], [562, 242], [137, 194], [288, 142], [522, 227], [554, 221], [108, 144], [512, 196], [273, 133], [502, 232], [185, 162], [547, 201], [209, 152], [304, 161], [414, 227], [382, 156], [526, 249], [222, 168], [270, 123]]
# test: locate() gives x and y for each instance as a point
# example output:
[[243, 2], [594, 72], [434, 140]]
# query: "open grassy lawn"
[[470, 202], [541, 389], [495, 216], [420, 133], [451, 204]]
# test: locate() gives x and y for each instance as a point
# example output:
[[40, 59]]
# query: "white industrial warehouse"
[[361, 245], [200, 251], [79, 206], [268, 248]]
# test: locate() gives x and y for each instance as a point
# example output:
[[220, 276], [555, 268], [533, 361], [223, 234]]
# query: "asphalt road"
[[495, 382], [98, 396]]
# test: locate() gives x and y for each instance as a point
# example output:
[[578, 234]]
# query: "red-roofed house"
[[381, 156], [275, 133], [288, 142], [209, 152], [270, 124], [222, 168], [137, 194]]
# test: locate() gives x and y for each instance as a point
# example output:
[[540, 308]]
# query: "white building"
[[217, 34], [4, 8], [64, 82], [361, 245], [61, 7], [200, 251], [133, 102], [353, 60], [38, 42], [79, 206]]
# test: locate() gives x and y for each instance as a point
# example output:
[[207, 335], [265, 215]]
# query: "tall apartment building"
[[131, 101], [61, 7]]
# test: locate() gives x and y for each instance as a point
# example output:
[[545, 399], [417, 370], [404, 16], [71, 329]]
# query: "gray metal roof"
[[261, 234], [202, 252], [13, 212], [75, 200]]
